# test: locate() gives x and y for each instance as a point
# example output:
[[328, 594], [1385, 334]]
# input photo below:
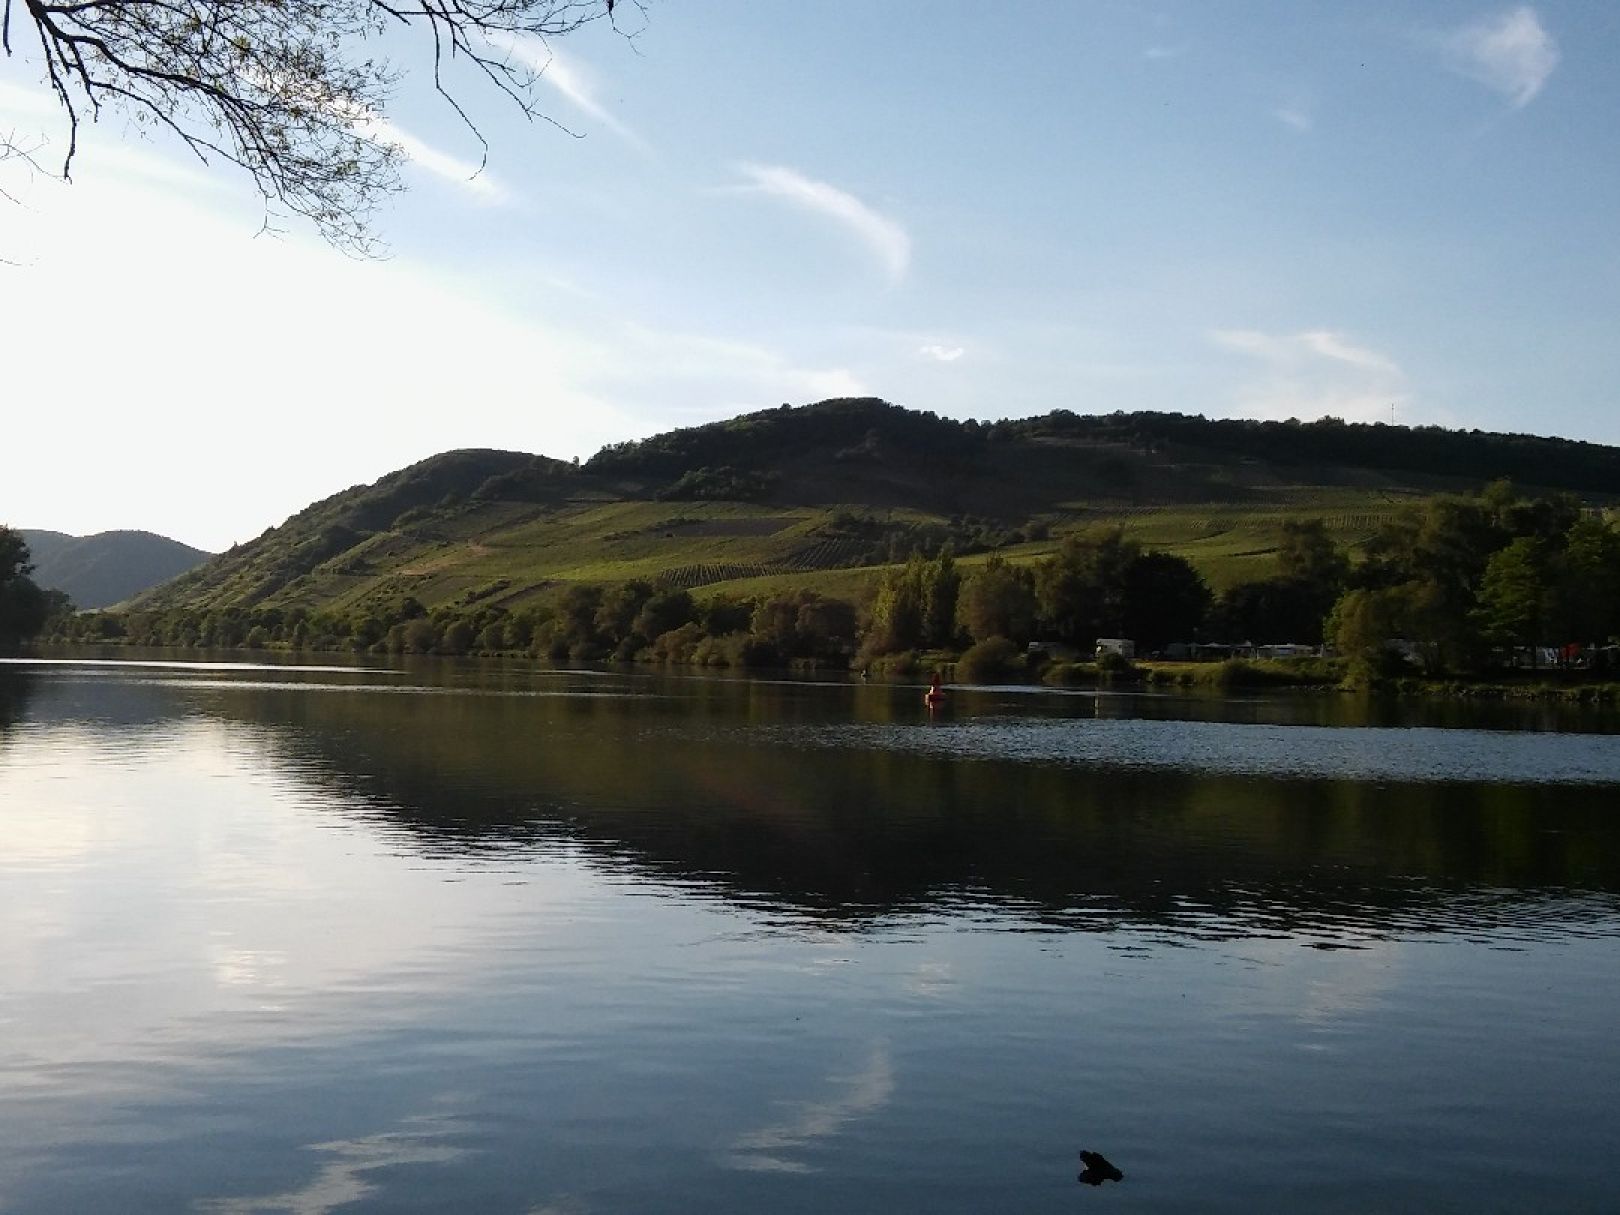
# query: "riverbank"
[[1336, 675]]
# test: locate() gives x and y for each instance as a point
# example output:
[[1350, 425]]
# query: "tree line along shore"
[[1456, 592]]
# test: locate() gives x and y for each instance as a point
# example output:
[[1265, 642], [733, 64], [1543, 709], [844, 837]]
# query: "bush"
[[905, 662], [420, 636], [720, 651], [756, 652], [1112, 667], [1257, 673], [991, 659], [677, 645]]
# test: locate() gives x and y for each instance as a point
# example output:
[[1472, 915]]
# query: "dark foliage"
[[1473, 454], [723, 484], [24, 607], [759, 439]]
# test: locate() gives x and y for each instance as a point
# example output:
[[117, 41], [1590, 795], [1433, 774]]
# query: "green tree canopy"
[[1512, 607], [24, 607], [1307, 554], [998, 600], [1080, 592], [1166, 600], [1584, 598]]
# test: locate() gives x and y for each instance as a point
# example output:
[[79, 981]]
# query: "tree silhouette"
[[291, 91]]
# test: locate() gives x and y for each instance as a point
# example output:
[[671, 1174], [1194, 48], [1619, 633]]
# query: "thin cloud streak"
[[1323, 343], [1294, 117], [887, 240], [1315, 373], [572, 81], [941, 354], [470, 176], [1511, 53], [372, 125]]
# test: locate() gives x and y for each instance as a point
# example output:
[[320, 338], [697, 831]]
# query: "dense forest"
[[845, 426], [1475, 455]]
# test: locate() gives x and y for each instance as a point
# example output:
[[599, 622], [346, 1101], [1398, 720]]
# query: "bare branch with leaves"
[[284, 89]]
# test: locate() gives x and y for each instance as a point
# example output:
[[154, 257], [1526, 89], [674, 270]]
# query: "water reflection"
[[749, 793], [1257, 748], [349, 1174], [553, 942], [779, 1147], [16, 687]]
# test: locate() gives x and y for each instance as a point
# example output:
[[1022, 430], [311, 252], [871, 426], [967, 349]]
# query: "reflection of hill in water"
[[687, 789]]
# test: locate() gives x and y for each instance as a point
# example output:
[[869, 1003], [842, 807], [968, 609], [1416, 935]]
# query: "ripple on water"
[[1229, 748]]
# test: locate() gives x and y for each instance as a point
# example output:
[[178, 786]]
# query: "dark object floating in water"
[[1098, 1169]]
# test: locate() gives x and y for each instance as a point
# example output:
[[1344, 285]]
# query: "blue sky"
[[1237, 209]]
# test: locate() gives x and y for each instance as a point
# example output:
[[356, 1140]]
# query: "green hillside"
[[826, 495], [108, 567]]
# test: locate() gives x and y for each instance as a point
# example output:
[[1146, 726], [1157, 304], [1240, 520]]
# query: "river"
[[500, 938]]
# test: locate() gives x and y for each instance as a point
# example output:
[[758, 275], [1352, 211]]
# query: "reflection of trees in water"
[[16, 690], [671, 789]]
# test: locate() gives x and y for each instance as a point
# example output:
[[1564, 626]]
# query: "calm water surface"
[[511, 940]]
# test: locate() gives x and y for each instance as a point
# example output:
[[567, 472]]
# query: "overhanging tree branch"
[[283, 88]]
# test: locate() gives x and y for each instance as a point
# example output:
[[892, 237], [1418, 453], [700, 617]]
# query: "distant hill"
[[826, 494], [108, 567]]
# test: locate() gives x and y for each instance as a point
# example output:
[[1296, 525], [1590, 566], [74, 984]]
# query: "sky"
[[1237, 209]]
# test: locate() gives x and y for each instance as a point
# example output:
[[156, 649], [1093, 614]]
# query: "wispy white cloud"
[[941, 354], [1296, 117], [573, 80], [1330, 345], [1510, 52], [718, 376], [467, 174], [1312, 374], [31, 103], [1160, 53], [372, 125], [885, 238]]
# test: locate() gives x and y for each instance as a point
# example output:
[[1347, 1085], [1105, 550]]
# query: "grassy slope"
[[503, 526]]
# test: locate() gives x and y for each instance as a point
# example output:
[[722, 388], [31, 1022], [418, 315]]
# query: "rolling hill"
[[108, 567], [827, 494]]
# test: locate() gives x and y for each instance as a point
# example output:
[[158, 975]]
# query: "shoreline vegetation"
[[1486, 594], [1335, 676]]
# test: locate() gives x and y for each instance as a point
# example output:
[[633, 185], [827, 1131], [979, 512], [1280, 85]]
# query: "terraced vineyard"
[[690, 577], [828, 555]]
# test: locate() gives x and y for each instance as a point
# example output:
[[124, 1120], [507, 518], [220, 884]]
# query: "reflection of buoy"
[[935, 696]]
